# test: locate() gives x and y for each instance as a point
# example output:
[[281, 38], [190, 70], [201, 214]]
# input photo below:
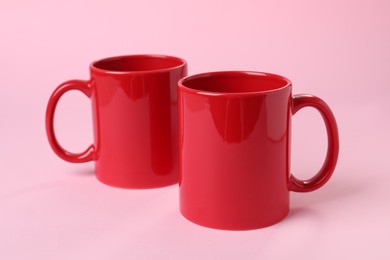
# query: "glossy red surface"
[[234, 148], [134, 105]]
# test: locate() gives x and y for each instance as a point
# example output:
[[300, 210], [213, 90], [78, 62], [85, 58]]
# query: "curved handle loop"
[[300, 101], [88, 154]]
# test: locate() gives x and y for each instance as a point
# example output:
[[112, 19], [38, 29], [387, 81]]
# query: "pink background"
[[338, 50]]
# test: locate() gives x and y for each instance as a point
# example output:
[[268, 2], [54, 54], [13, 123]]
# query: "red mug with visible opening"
[[134, 105], [234, 148]]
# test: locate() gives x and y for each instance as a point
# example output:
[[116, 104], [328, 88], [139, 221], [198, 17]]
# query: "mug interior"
[[235, 82], [136, 63]]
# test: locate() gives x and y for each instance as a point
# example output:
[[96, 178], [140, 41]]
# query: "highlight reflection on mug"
[[228, 113]]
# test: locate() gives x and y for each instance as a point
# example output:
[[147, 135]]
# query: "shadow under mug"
[[234, 148], [134, 105]]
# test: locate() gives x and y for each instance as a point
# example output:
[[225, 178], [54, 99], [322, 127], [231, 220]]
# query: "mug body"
[[234, 149], [134, 104]]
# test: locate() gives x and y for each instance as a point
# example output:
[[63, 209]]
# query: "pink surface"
[[338, 50]]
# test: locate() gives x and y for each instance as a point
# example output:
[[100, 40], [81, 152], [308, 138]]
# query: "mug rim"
[[94, 68], [182, 82]]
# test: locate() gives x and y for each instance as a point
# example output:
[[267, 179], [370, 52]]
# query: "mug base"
[[128, 184], [239, 225]]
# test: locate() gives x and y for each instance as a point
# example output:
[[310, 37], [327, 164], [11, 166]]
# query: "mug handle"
[[298, 102], [89, 153]]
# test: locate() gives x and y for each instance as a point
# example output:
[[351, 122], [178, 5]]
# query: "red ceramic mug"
[[234, 148], [134, 105]]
